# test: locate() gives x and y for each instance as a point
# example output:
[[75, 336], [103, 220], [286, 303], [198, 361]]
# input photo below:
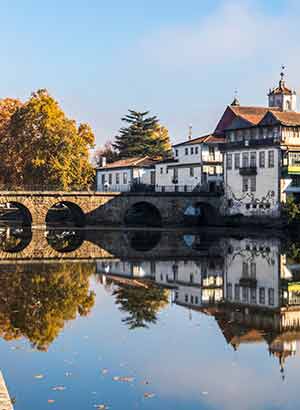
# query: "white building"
[[261, 154], [197, 164], [121, 176]]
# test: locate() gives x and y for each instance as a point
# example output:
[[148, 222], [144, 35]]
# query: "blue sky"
[[180, 60]]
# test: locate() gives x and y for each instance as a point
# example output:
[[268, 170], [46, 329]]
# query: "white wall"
[[264, 255], [267, 180], [143, 175]]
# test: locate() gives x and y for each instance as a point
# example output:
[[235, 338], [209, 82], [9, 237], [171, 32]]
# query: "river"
[[149, 319]]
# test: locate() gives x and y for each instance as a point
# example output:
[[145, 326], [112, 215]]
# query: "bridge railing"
[[45, 188]]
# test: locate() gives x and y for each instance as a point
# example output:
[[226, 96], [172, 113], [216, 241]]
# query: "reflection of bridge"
[[5, 401], [102, 244], [39, 248], [111, 208]]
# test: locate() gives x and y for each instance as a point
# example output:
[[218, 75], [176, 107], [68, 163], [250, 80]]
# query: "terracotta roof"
[[287, 118], [251, 114], [201, 140], [131, 162]]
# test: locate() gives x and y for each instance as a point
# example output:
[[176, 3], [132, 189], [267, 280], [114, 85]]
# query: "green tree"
[[142, 303], [142, 136], [291, 210], [48, 147]]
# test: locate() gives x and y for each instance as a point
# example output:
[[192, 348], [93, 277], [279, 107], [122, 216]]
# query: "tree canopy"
[[142, 136], [44, 146]]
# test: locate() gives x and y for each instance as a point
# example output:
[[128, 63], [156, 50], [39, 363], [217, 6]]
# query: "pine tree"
[[143, 136]]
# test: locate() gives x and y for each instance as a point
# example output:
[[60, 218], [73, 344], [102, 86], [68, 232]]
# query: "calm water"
[[149, 320]]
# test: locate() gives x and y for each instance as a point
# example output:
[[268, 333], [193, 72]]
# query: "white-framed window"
[[262, 159], [125, 180], [229, 161], [191, 172], [186, 151], [253, 159], [245, 159], [117, 178], [237, 160], [192, 151], [110, 179], [262, 296], [253, 183], [245, 184], [271, 158]]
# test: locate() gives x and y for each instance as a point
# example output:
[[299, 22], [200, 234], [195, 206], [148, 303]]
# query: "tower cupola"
[[282, 97]]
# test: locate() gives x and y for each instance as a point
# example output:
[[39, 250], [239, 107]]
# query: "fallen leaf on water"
[[51, 401], [149, 395], [101, 406], [104, 371], [123, 379], [58, 388], [205, 393], [39, 376]]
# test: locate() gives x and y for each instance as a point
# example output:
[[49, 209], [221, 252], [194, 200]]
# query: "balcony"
[[248, 282], [250, 170]]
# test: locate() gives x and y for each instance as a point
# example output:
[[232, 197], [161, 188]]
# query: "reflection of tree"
[[35, 301], [142, 303]]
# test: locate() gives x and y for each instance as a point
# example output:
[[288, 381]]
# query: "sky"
[[181, 60]]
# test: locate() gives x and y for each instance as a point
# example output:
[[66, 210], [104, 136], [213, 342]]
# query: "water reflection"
[[14, 239], [37, 300]]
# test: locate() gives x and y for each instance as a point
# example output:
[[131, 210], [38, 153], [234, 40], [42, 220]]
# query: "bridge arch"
[[65, 212], [15, 211], [143, 213], [14, 239], [65, 241], [200, 213]]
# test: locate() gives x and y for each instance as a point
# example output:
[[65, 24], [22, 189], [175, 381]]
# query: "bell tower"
[[282, 97]]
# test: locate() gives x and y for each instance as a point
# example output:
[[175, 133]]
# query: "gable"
[[226, 119], [239, 123], [269, 119]]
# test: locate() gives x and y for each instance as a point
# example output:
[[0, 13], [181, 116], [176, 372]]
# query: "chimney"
[[103, 162], [190, 132]]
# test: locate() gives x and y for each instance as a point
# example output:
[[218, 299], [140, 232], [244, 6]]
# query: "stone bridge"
[[106, 208]]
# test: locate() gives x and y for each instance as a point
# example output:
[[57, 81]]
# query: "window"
[[253, 295], [262, 159], [125, 178], [196, 300], [196, 150], [211, 151], [229, 291], [191, 172], [161, 170], [237, 292], [271, 159], [253, 183], [252, 159], [153, 267], [271, 296], [186, 151], [110, 179], [229, 161], [245, 159], [117, 178], [186, 298], [191, 278], [192, 151], [236, 161], [245, 293], [192, 299], [253, 270], [176, 152], [245, 182], [262, 296], [103, 179], [245, 270]]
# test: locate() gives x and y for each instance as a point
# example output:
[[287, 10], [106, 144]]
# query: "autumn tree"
[[142, 136], [8, 106], [36, 302], [48, 148]]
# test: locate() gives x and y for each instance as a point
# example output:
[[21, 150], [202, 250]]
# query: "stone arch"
[[24, 211], [15, 240], [76, 214], [143, 213], [65, 241], [200, 213]]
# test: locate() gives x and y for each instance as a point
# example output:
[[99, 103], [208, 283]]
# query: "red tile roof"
[[287, 118], [131, 162], [210, 138], [251, 114]]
